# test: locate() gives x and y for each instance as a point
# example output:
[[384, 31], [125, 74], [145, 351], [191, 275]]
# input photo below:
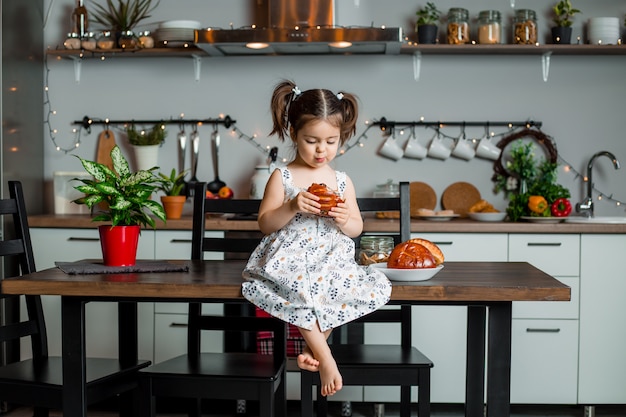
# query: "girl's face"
[[317, 143]]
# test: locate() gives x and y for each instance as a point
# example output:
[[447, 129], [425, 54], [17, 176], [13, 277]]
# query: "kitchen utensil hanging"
[[195, 149], [215, 185]]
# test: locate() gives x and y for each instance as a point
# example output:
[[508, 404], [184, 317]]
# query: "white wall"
[[581, 105]]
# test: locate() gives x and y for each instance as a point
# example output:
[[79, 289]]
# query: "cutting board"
[[106, 142], [422, 196], [459, 197]]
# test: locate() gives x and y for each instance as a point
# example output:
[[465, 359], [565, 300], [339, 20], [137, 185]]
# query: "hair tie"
[[339, 96], [296, 92]]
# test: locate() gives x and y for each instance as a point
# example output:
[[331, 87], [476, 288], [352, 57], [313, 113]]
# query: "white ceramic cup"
[[488, 150], [438, 149], [414, 149], [390, 149], [464, 149]]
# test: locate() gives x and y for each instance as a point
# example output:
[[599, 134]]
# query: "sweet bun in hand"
[[415, 253], [328, 197]]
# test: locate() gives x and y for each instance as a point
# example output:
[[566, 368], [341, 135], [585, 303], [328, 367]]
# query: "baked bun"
[[433, 248], [410, 255], [328, 197]]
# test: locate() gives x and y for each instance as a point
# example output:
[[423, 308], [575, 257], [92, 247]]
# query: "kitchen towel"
[[97, 267]]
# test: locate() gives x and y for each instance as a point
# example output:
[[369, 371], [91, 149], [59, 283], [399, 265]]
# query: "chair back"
[[203, 206], [401, 204], [17, 254]]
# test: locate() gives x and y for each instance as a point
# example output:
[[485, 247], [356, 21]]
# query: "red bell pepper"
[[561, 207]]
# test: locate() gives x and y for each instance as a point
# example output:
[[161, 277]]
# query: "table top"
[[221, 280]]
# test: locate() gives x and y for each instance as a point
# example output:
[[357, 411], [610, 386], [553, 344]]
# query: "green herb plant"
[[154, 136], [124, 15], [563, 13], [126, 194], [528, 176], [428, 15], [173, 184]]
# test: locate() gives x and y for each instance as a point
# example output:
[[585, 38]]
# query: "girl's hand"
[[306, 202], [340, 213]]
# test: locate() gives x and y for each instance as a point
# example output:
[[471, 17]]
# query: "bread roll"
[[433, 248], [411, 255], [328, 198]]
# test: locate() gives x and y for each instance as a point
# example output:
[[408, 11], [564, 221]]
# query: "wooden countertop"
[[74, 221]]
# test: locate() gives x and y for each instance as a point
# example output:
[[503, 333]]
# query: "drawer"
[[557, 255], [469, 246], [551, 309], [544, 359]]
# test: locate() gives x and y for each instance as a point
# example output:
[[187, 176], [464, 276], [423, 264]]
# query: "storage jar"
[[72, 41], [458, 26], [489, 27], [105, 41], [375, 249], [146, 40], [88, 41], [525, 27]]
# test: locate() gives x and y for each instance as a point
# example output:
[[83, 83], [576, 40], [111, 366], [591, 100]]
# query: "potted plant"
[[127, 196], [146, 144], [427, 18], [123, 17], [563, 14], [173, 186]]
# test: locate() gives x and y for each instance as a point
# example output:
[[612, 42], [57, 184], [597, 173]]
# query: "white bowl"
[[420, 274], [487, 217]]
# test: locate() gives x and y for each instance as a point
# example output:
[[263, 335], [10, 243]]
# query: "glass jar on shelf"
[[106, 41], [146, 40], [127, 40], [375, 249], [458, 26], [88, 41], [489, 27], [72, 41], [525, 27]]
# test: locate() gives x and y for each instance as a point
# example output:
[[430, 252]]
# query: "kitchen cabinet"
[[51, 245], [602, 359], [544, 336]]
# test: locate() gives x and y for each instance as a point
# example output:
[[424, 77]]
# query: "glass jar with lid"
[[458, 26], [88, 41], [105, 41], [146, 40], [375, 249], [525, 27], [72, 41], [489, 27], [127, 40]]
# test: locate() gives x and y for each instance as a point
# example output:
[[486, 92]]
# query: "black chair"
[[377, 365], [235, 374], [38, 382]]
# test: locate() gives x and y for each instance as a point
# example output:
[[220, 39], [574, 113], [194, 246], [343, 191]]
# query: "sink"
[[598, 219]]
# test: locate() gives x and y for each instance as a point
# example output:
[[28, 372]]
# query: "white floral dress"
[[306, 272]]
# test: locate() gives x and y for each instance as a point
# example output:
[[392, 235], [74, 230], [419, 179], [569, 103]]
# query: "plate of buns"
[[413, 260], [438, 216]]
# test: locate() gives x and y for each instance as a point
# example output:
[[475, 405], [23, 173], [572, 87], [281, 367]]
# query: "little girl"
[[304, 270]]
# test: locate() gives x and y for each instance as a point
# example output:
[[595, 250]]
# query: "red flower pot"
[[119, 244]]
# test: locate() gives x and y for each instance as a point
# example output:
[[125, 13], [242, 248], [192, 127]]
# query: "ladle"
[[215, 185]]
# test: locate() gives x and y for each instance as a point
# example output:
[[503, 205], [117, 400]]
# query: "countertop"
[[73, 221]]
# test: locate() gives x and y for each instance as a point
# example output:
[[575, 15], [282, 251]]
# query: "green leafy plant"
[[123, 16], [428, 15], [126, 194], [528, 176], [563, 13], [154, 136], [173, 184]]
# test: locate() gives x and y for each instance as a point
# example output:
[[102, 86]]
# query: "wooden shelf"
[[190, 51], [583, 49]]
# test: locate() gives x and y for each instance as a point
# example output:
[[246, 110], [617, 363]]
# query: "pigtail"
[[283, 95], [350, 110]]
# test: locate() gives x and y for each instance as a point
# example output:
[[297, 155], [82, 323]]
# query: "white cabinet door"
[[602, 363], [50, 245], [544, 350]]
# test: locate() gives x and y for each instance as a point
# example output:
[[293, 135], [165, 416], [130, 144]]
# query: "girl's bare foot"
[[306, 360], [330, 377]]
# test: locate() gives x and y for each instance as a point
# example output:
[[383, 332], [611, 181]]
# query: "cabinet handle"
[[544, 244], [448, 243], [174, 324], [180, 241], [83, 239], [531, 330]]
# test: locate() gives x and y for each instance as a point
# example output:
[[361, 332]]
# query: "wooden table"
[[484, 287]]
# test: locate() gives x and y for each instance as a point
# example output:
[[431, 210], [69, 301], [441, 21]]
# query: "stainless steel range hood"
[[298, 27]]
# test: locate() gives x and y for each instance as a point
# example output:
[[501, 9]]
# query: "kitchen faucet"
[[586, 206]]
